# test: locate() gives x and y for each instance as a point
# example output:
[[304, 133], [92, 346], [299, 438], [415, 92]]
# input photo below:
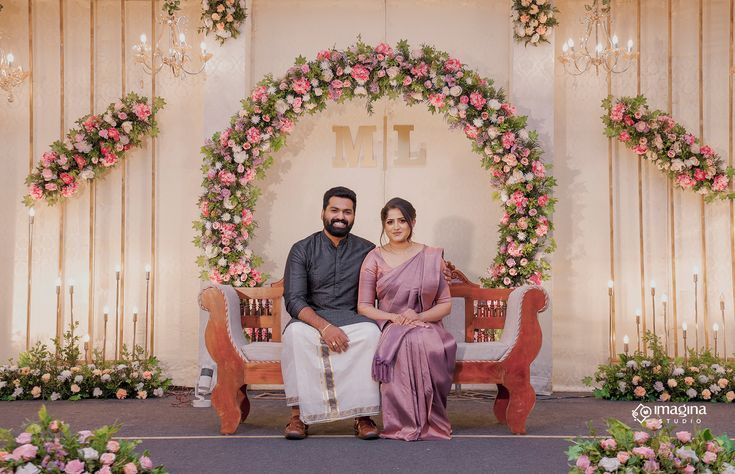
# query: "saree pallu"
[[415, 364]]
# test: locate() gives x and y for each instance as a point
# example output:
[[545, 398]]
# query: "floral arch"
[[234, 157]]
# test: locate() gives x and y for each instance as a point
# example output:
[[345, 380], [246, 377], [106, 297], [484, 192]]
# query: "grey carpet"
[[480, 443]]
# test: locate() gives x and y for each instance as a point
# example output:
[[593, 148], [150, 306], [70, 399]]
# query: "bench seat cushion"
[[481, 350], [262, 351]]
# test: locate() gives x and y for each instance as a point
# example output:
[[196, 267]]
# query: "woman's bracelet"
[[321, 331]]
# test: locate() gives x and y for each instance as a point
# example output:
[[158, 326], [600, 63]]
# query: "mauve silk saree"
[[414, 364]]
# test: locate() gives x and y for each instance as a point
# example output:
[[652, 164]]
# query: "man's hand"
[[335, 339]]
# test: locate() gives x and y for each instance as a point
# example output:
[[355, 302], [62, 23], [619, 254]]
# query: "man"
[[328, 348]]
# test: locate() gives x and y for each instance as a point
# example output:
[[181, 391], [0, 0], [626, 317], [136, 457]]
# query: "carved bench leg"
[[228, 398], [244, 404], [522, 401], [500, 406]]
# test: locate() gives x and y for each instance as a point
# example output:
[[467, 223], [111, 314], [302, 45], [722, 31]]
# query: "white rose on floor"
[[90, 454], [609, 464], [97, 392], [27, 469]]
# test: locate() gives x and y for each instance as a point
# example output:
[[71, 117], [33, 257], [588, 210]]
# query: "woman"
[[415, 356]]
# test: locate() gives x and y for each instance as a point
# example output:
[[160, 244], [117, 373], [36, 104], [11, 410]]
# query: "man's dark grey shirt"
[[326, 277]]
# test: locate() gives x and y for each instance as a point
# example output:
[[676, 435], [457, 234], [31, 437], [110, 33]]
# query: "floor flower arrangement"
[[654, 376], [50, 445], [42, 374], [654, 448]]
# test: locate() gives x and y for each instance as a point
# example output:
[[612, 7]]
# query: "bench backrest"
[[260, 310], [478, 314], [482, 310]]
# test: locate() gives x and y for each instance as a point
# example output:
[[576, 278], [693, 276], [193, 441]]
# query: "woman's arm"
[[374, 313], [436, 313]]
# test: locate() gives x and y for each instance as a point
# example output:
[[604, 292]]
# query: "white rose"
[[327, 75], [127, 126], [416, 53], [282, 107], [222, 262], [78, 379], [226, 217], [241, 157], [455, 91], [28, 468], [360, 90], [609, 464], [318, 92], [97, 392], [535, 38], [90, 454], [493, 104], [392, 71]]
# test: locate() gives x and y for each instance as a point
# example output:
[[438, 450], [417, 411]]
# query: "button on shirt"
[[325, 277]]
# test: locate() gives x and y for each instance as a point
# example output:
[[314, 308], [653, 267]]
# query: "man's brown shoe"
[[365, 428], [296, 429]]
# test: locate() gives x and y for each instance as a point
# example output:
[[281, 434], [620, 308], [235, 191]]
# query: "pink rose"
[[543, 200], [253, 135], [247, 217], [114, 134], [81, 162], [113, 446], [360, 73], [107, 458], [146, 463], [35, 191], [259, 94], [407, 81], [608, 444], [25, 452], [286, 125], [539, 170], [121, 393], [437, 100], [617, 112], [535, 278], [685, 181], [142, 111], [508, 140], [23, 438], [623, 457], [384, 49], [510, 110], [583, 462], [104, 470], [640, 437], [226, 178], [477, 100], [452, 65], [644, 452], [470, 131], [130, 468], [74, 466], [66, 178], [709, 457], [421, 69], [624, 136], [301, 85]]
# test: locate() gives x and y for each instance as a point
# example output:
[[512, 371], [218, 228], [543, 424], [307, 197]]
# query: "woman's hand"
[[409, 318]]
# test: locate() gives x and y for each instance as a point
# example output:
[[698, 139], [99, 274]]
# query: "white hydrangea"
[[90, 454]]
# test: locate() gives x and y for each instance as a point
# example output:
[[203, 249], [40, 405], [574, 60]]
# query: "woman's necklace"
[[391, 249]]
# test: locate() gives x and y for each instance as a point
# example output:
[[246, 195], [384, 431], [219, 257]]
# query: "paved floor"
[[187, 440]]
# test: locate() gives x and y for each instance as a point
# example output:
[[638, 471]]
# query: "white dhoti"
[[327, 385]]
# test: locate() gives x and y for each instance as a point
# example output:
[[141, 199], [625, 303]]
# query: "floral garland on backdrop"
[[234, 157], [223, 18], [655, 136], [61, 375], [90, 151], [658, 377], [50, 445], [533, 21], [653, 449]]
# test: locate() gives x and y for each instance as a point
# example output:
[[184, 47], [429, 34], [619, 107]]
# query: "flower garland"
[[60, 375], [90, 151], [661, 378], [51, 446], [533, 21], [223, 18], [234, 157], [654, 449], [656, 136]]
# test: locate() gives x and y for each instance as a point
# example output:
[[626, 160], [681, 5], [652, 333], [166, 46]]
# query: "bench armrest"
[[521, 322], [222, 302]]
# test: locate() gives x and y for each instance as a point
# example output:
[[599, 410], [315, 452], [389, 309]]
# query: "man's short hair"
[[342, 192]]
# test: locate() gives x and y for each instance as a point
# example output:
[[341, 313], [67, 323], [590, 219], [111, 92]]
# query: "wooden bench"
[[244, 332]]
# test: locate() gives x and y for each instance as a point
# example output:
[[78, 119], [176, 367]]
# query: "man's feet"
[[296, 429], [365, 428]]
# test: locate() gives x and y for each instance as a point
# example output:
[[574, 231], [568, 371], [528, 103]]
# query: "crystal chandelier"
[[176, 55], [597, 47], [11, 75]]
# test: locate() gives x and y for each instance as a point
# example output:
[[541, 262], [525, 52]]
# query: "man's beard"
[[337, 231]]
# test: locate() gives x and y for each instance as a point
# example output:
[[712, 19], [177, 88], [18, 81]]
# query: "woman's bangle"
[[321, 331]]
